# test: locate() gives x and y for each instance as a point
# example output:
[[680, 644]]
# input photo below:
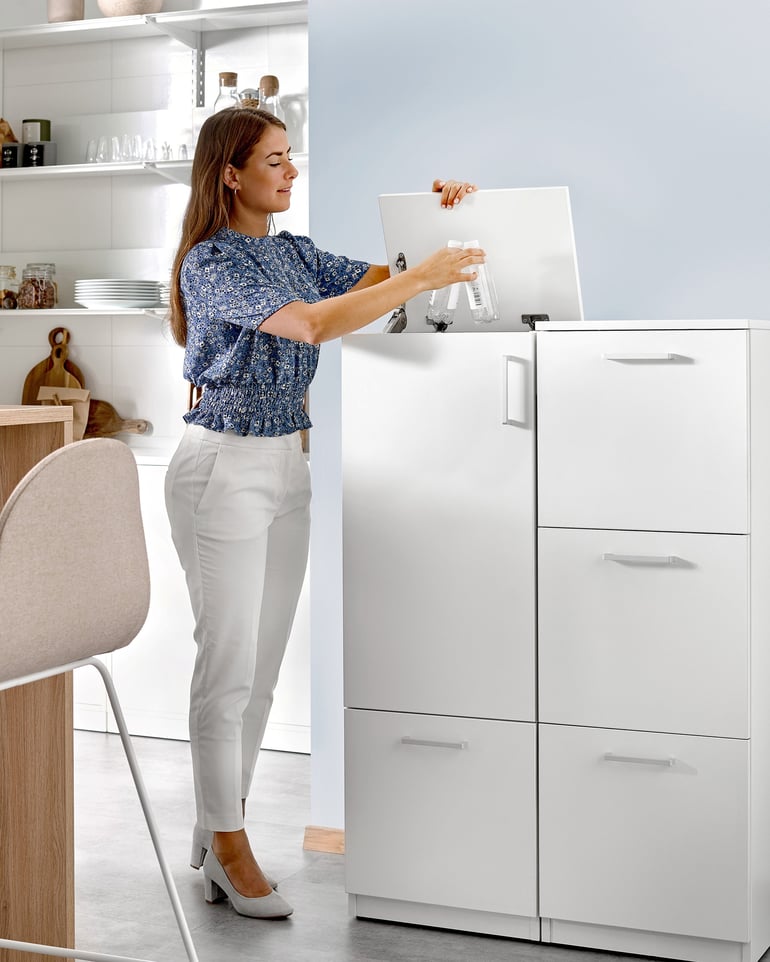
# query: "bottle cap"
[[268, 85], [228, 79]]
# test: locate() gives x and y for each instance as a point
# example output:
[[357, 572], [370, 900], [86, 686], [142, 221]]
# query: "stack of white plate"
[[116, 293]]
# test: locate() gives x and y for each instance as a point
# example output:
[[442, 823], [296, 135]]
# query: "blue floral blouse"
[[254, 382]]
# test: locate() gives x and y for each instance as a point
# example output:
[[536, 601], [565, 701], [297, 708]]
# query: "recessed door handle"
[[641, 559], [429, 743], [654, 356], [639, 760]]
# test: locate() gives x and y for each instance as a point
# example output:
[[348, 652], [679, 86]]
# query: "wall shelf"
[[159, 311], [185, 26], [177, 171]]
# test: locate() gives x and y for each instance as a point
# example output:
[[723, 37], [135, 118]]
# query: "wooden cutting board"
[[104, 421], [55, 371]]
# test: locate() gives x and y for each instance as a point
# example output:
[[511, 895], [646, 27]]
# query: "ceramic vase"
[[61, 10]]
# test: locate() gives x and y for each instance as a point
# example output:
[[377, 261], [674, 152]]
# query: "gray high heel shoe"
[[218, 886], [201, 843]]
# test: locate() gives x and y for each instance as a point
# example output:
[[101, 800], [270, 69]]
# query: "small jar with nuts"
[[36, 290], [51, 268], [9, 287]]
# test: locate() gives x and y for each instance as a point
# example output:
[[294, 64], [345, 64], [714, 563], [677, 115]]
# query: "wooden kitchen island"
[[36, 784]]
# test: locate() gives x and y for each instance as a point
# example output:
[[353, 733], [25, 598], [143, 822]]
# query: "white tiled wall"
[[128, 226], [122, 226]]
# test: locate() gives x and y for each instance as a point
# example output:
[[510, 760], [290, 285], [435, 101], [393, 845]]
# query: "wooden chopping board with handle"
[[55, 371], [104, 421]]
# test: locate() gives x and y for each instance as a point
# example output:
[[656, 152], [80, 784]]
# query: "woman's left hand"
[[452, 191]]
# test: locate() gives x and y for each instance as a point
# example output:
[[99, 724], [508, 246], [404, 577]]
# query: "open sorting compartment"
[[529, 243]]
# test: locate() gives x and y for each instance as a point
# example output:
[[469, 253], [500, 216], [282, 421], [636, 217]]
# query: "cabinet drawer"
[[645, 831], [441, 810], [644, 630], [643, 430]]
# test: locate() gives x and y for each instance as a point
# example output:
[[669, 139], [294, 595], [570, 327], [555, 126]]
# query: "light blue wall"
[[655, 113]]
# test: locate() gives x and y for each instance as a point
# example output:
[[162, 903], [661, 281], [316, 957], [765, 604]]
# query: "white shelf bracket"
[[190, 38], [176, 173]]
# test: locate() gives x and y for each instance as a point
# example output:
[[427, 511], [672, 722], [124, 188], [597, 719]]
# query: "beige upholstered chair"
[[74, 584]]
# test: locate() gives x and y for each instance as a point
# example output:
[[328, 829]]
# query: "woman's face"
[[264, 182]]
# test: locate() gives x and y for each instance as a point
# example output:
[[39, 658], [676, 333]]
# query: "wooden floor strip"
[[319, 839]]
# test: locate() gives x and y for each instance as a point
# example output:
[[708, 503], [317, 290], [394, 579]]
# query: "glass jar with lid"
[[269, 98], [36, 291], [51, 268], [228, 94], [9, 287], [249, 97]]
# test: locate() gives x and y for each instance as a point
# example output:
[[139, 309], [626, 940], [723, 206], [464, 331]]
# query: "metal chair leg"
[[75, 953], [128, 747]]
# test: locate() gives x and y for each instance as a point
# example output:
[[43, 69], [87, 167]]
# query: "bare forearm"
[[336, 316], [373, 296]]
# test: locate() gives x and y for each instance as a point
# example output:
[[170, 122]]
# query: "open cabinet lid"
[[529, 242]]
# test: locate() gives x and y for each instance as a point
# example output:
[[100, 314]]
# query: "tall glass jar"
[[36, 291], [269, 98], [228, 94], [9, 287]]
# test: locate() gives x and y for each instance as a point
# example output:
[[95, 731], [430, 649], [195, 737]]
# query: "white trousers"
[[239, 509]]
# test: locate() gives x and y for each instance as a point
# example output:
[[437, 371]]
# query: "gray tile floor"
[[121, 903]]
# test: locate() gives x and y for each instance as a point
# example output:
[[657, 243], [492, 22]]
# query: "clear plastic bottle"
[[269, 99], [482, 296], [228, 94], [443, 301]]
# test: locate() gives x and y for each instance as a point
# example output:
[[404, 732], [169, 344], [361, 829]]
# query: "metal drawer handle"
[[640, 760], [642, 559], [427, 743], [643, 357]]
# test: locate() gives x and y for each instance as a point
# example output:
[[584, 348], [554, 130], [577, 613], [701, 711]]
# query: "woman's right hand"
[[447, 266]]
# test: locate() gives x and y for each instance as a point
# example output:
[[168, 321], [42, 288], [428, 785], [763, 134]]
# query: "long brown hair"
[[227, 137]]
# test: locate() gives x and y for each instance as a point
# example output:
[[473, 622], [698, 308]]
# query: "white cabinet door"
[[441, 811], [645, 831], [643, 429], [644, 630], [439, 529]]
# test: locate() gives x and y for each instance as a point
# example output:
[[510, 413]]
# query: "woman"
[[251, 308]]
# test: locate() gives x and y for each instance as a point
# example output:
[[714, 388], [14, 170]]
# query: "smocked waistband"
[[283, 442]]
